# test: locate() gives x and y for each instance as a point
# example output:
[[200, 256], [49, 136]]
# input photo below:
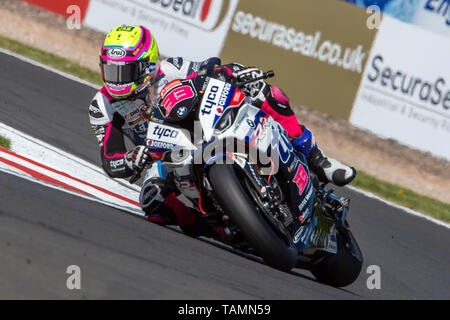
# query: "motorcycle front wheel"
[[234, 200]]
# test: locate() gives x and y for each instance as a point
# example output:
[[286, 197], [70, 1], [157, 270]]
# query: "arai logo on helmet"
[[116, 53]]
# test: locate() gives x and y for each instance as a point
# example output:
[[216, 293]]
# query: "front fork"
[[334, 207]]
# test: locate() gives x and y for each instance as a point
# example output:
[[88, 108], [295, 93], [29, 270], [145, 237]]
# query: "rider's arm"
[[234, 72], [107, 128], [179, 68], [270, 99]]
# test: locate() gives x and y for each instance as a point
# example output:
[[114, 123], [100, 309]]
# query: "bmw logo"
[[250, 123], [181, 112]]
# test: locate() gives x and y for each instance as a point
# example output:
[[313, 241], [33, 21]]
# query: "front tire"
[[234, 200]]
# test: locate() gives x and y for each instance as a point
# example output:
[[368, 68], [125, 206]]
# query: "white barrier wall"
[[405, 90], [194, 29], [433, 15]]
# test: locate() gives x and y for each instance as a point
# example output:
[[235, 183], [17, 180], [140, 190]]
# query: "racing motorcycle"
[[285, 216]]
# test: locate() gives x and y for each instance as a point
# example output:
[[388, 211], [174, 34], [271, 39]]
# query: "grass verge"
[[5, 143], [51, 60], [391, 192], [404, 197]]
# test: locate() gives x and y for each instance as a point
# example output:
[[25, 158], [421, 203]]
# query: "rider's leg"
[[327, 169], [278, 106], [159, 201]]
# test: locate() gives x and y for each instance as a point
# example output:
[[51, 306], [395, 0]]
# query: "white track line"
[[66, 169], [86, 83], [92, 188], [27, 147], [394, 205], [52, 186]]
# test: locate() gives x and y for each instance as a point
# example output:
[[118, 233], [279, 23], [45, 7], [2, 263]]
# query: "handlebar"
[[266, 75]]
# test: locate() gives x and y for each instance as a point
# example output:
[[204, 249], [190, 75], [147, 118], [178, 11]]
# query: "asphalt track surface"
[[43, 231]]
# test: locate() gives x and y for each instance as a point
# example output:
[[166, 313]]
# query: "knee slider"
[[151, 197]]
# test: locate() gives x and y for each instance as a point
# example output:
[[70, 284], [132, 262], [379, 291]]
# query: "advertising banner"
[[318, 49], [405, 90], [434, 15], [194, 29], [60, 6], [430, 14]]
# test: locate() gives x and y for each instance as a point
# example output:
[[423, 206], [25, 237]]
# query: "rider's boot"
[[327, 169]]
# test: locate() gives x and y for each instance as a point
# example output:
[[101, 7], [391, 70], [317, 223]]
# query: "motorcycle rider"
[[130, 65]]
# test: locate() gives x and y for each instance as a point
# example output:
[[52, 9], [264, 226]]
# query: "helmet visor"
[[121, 73]]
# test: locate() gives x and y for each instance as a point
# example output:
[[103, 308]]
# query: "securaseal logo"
[[202, 13], [289, 39], [434, 93]]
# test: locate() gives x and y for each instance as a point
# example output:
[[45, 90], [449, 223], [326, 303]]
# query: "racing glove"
[[137, 157], [252, 89]]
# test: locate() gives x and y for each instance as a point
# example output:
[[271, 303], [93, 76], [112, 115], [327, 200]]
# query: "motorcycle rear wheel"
[[342, 268], [234, 200]]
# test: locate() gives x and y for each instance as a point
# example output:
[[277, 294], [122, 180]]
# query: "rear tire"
[[234, 200], [342, 268]]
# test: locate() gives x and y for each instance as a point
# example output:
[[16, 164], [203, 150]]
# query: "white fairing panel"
[[161, 138], [254, 127], [213, 105]]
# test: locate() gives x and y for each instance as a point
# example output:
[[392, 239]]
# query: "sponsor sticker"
[[298, 234], [211, 96], [301, 179], [165, 132], [116, 163], [125, 28], [218, 97], [156, 144]]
